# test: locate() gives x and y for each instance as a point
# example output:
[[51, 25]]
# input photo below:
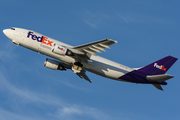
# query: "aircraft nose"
[[5, 31], [8, 33]]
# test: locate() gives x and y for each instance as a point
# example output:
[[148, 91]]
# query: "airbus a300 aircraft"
[[83, 58]]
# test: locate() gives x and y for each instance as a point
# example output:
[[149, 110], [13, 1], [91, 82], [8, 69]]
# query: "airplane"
[[83, 58]]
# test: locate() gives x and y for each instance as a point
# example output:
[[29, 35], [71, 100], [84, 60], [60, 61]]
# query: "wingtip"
[[113, 40]]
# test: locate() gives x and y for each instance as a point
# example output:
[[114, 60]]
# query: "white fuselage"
[[97, 64]]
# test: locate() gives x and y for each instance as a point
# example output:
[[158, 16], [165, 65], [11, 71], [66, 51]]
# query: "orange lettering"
[[163, 68], [49, 43], [44, 40]]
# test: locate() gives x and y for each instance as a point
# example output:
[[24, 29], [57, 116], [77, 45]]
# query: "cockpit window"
[[12, 28]]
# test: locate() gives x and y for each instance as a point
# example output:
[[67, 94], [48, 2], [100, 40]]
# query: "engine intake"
[[53, 64]]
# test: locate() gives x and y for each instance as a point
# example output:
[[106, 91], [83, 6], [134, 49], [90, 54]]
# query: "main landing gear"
[[77, 67]]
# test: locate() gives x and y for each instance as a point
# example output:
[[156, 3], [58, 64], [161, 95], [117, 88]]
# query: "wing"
[[92, 48], [84, 52]]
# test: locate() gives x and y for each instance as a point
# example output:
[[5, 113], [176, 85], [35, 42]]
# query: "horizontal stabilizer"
[[158, 86], [159, 78]]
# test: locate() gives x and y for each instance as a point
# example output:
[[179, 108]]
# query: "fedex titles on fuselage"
[[41, 39]]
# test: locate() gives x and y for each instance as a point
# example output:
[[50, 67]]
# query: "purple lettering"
[[34, 37], [29, 33], [39, 39]]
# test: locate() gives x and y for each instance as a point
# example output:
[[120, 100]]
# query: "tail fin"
[[159, 67]]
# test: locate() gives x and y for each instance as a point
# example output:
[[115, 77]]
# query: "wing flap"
[[94, 49], [104, 46], [98, 47], [89, 51]]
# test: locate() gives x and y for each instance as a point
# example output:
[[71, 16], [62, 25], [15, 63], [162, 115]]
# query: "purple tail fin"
[[159, 67]]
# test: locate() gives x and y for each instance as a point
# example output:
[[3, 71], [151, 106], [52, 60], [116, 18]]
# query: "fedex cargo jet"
[[83, 58]]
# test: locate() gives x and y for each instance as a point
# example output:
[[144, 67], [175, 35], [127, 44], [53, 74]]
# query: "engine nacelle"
[[53, 64], [61, 50]]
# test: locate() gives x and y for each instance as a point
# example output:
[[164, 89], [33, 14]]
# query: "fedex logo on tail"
[[160, 66], [41, 39]]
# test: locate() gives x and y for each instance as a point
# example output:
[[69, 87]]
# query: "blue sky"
[[145, 30]]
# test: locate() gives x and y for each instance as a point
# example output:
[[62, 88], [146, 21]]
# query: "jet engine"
[[53, 64], [61, 50]]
